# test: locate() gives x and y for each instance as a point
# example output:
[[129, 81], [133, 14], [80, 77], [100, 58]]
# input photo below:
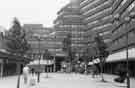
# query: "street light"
[[127, 19], [38, 37]]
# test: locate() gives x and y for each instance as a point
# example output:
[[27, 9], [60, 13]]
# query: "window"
[[94, 22], [107, 40], [107, 17], [131, 34], [104, 33], [131, 6], [123, 2], [134, 31], [100, 13], [123, 39], [115, 42]]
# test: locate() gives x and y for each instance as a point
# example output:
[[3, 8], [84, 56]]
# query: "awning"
[[42, 62], [121, 56], [12, 57]]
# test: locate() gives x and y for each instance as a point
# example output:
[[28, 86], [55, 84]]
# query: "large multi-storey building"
[[69, 22], [123, 36], [112, 19], [41, 38], [97, 15], [84, 19]]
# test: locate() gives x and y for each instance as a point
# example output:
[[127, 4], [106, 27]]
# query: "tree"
[[101, 46], [67, 43], [14, 40], [47, 56], [102, 52], [67, 48]]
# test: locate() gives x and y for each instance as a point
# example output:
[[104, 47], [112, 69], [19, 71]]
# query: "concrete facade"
[[112, 19]]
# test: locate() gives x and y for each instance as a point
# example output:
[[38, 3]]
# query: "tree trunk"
[[102, 69]]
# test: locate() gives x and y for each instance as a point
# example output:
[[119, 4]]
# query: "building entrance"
[[58, 63]]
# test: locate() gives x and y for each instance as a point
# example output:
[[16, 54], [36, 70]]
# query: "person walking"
[[25, 74], [32, 71], [95, 71]]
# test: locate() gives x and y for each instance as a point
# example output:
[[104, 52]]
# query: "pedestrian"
[[25, 74], [95, 70], [32, 79], [32, 71]]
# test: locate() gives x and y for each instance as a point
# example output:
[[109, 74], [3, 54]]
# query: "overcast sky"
[[29, 11]]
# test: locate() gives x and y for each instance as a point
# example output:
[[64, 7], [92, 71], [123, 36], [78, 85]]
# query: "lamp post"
[[127, 19], [38, 37], [47, 56]]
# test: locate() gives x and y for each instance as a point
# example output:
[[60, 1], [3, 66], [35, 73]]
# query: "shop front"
[[120, 58], [11, 64]]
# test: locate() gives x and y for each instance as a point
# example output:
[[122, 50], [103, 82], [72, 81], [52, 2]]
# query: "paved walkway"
[[8, 82], [64, 80], [79, 81]]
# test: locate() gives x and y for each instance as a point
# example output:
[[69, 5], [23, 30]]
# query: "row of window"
[[94, 4], [81, 38], [77, 33], [104, 33], [129, 9], [118, 30], [122, 39], [101, 27], [45, 42], [122, 3], [98, 9], [85, 2], [103, 21], [55, 50], [99, 15], [73, 26], [78, 45], [77, 16]]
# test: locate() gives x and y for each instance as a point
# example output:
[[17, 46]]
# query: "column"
[[18, 68], [111, 68], [51, 68], [1, 70], [54, 65]]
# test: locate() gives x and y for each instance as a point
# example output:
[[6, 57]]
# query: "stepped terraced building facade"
[[84, 19], [111, 19], [69, 22]]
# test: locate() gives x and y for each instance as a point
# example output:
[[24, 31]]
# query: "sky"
[[30, 11]]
